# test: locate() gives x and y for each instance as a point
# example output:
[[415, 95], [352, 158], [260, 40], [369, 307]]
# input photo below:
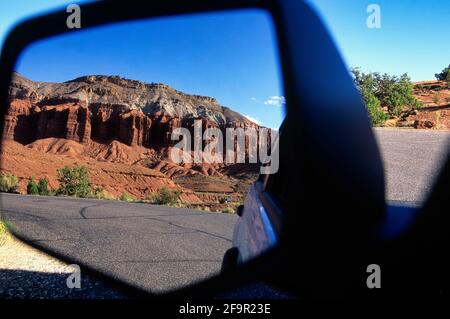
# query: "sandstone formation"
[[106, 108], [122, 131]]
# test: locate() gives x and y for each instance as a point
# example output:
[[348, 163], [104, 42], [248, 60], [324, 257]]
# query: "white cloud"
[[253, 98], [254, 120], [275, 101]]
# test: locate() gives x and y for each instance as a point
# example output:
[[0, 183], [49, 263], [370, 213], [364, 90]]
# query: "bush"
[[394, 93], [101, 193], [164, 197], [32, 187], [377, 116], [4, 232], [74, 181], [436, 98], [128, 197], [43, 187], [8, 183], [229, 210], [444, 75]]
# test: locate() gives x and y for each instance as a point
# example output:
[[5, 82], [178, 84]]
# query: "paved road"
[[412, 159], [154, 247]]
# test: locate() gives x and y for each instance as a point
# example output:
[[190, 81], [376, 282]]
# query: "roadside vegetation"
[[126, 197], [8, 183], [101, 193], [4, 232], [39, 188], [229, 210], [164, 196], [74, 181], [384, 95]]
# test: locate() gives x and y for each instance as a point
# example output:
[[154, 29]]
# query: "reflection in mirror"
[[107, 151]]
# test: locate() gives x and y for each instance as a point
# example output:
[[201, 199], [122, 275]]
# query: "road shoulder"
[[27, 273]]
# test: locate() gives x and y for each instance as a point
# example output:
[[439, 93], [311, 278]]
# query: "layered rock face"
[[104, 108], [17, 124], [69, 121], [122, 130], [163, 127], [134, 128]]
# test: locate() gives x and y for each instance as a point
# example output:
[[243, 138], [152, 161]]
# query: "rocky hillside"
[[104, 108], [97, 119], [435, 113]]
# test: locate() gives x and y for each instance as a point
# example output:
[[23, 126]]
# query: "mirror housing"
[[344, 164]]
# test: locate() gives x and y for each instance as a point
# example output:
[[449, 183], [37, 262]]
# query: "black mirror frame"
[[343, 159]]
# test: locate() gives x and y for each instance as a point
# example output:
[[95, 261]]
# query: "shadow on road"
[[22, 284]]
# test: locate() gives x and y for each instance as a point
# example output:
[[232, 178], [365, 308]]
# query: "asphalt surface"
[[157, 248], [412, 160]]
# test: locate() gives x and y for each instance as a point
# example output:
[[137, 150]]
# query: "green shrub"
[[101, 193], [43, 186], [74, 181], [229, 210], [8, 183], [32, 187], [377, 116], [164, 196], [4, 232], [128, 197]]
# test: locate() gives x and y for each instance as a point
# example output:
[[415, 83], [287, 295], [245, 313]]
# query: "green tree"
[[32, 187], [393, 92], [396, 93], [43, 186], [444, 75], [74, 181]]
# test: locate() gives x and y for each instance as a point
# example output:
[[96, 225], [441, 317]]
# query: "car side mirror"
[[328, 158], [105, 134]]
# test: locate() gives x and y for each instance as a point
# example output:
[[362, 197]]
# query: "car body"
[[260, 218]]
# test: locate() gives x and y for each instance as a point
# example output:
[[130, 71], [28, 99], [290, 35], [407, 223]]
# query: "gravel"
[[27, 273]]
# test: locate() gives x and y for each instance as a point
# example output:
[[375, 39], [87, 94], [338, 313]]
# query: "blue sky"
[[230, 56], [233, 57], [414, 37]]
